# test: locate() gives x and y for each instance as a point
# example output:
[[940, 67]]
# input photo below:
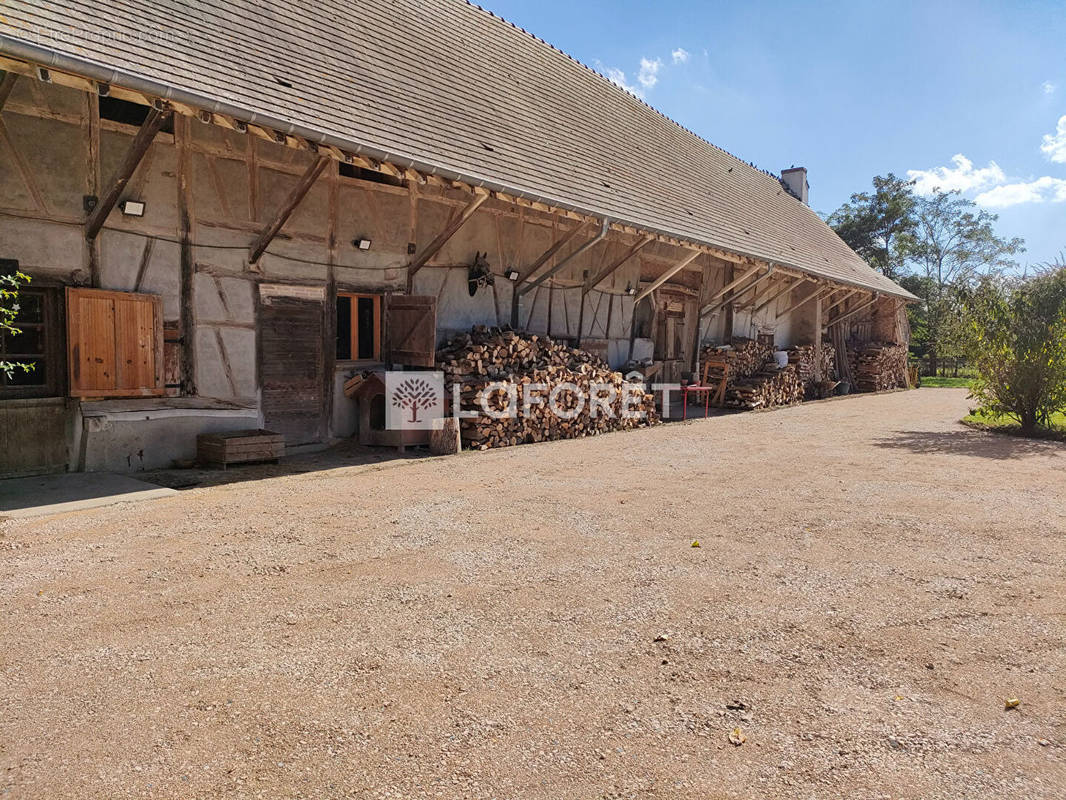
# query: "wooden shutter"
[[411, 322], [115, 343]]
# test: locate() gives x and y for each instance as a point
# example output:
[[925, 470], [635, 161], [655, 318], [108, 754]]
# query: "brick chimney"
[[795, 180]]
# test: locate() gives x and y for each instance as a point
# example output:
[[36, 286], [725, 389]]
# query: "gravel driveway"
[[873, 581]]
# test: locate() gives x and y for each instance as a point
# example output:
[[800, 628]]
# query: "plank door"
[[292, 361], [411, 326]]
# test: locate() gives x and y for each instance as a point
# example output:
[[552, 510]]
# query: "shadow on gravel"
[[968, 442]]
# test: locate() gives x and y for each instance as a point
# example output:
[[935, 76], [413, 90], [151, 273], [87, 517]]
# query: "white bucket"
[[781, 357]]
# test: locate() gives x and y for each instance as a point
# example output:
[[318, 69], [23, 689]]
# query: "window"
[[358, 327], [115, 342], [363, 174], [133, 114], [39, 343]]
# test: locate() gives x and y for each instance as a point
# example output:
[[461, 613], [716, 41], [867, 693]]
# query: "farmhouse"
[[227, 210]]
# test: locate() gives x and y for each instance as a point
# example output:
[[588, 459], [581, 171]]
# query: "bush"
[[1019, 347], [10, 281]]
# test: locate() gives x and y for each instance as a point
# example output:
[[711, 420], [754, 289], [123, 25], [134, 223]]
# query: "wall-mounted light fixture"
[[630, 289], [362, 244], [132, 208], [511, 274]]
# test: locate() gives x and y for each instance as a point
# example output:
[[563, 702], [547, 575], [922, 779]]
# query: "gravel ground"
[[873, 581]]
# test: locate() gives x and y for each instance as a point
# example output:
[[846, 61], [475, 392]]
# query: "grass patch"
[[1001, 423], [946, 383]]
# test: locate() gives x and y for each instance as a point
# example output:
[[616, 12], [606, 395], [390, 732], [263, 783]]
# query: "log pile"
[[766, 388], [501, 356], [745, 359], [802, 359], [878, 366]]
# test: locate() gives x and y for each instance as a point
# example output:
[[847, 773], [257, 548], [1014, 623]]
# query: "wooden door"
[[292, 361]]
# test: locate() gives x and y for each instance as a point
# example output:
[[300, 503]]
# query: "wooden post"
[[818, 377], [442, 238], [605, 273], [7, 83], [668, 275], [138, 147], [187, 263], [299, 191]]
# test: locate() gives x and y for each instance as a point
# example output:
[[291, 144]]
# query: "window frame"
[[353, 329], [53, 329]]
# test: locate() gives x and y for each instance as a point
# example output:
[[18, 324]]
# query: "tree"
[[10, 282], [1019, 339], [879, 226], [954, 247]]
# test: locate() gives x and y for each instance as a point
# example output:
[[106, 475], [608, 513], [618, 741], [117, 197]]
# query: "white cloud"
[[1041, 190], [962, 176], [1054, 146], [1048, 87], [618, 78], [680, 55], [649, 72]]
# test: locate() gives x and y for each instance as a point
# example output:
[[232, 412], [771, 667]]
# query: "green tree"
[[10, 282], [879, 225], [954, 247], [1019, 342]]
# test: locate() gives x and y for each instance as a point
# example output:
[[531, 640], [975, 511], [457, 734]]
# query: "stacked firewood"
[[802, 358], [745, 358], [768, 387], [497, 363], [878, 366]]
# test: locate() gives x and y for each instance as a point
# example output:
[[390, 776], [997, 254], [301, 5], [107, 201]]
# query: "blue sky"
[[966, 95]]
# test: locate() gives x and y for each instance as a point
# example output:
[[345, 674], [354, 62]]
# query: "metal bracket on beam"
[[527, 287], [134, 153]]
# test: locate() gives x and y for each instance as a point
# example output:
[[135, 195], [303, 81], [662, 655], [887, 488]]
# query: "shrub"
[[1019, 347]]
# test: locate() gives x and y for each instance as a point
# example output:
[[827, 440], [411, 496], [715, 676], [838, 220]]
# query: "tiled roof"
[[441, 84]]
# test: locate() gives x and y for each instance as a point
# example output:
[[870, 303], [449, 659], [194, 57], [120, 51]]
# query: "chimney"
[[795, 180]]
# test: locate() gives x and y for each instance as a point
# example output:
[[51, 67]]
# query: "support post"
[[138, 147], [526, 287], [667, 275], [854, 311], [819, 291], [818, 377], [7, 83], [442, 238], [729, 286], [281, 216], [606, 272]]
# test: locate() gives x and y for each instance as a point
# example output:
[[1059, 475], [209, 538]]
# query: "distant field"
[[946, 383]]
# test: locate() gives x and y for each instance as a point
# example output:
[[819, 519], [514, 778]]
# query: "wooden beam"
[[442, 238], [736, 297], [819, 291], [854, 311], [713, 308], [134, 153], [818, 376], [526, 287], [790, 284], [838, 301], [551, 251], [281, 216], [606, 272], [731, 285], [668, 275], [7, 83]]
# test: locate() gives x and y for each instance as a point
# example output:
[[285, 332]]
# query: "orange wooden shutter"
[[412, 329], [115, 343]]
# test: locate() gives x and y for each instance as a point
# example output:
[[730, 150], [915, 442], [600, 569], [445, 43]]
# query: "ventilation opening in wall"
[[363, 174], [127, 113]]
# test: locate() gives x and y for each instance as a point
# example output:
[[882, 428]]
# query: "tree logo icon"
[[415, 399]]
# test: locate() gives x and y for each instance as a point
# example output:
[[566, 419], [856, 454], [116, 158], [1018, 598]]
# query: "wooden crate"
[[239, 447]]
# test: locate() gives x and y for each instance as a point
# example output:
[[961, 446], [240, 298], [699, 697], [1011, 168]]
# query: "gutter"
[[43, 56]]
